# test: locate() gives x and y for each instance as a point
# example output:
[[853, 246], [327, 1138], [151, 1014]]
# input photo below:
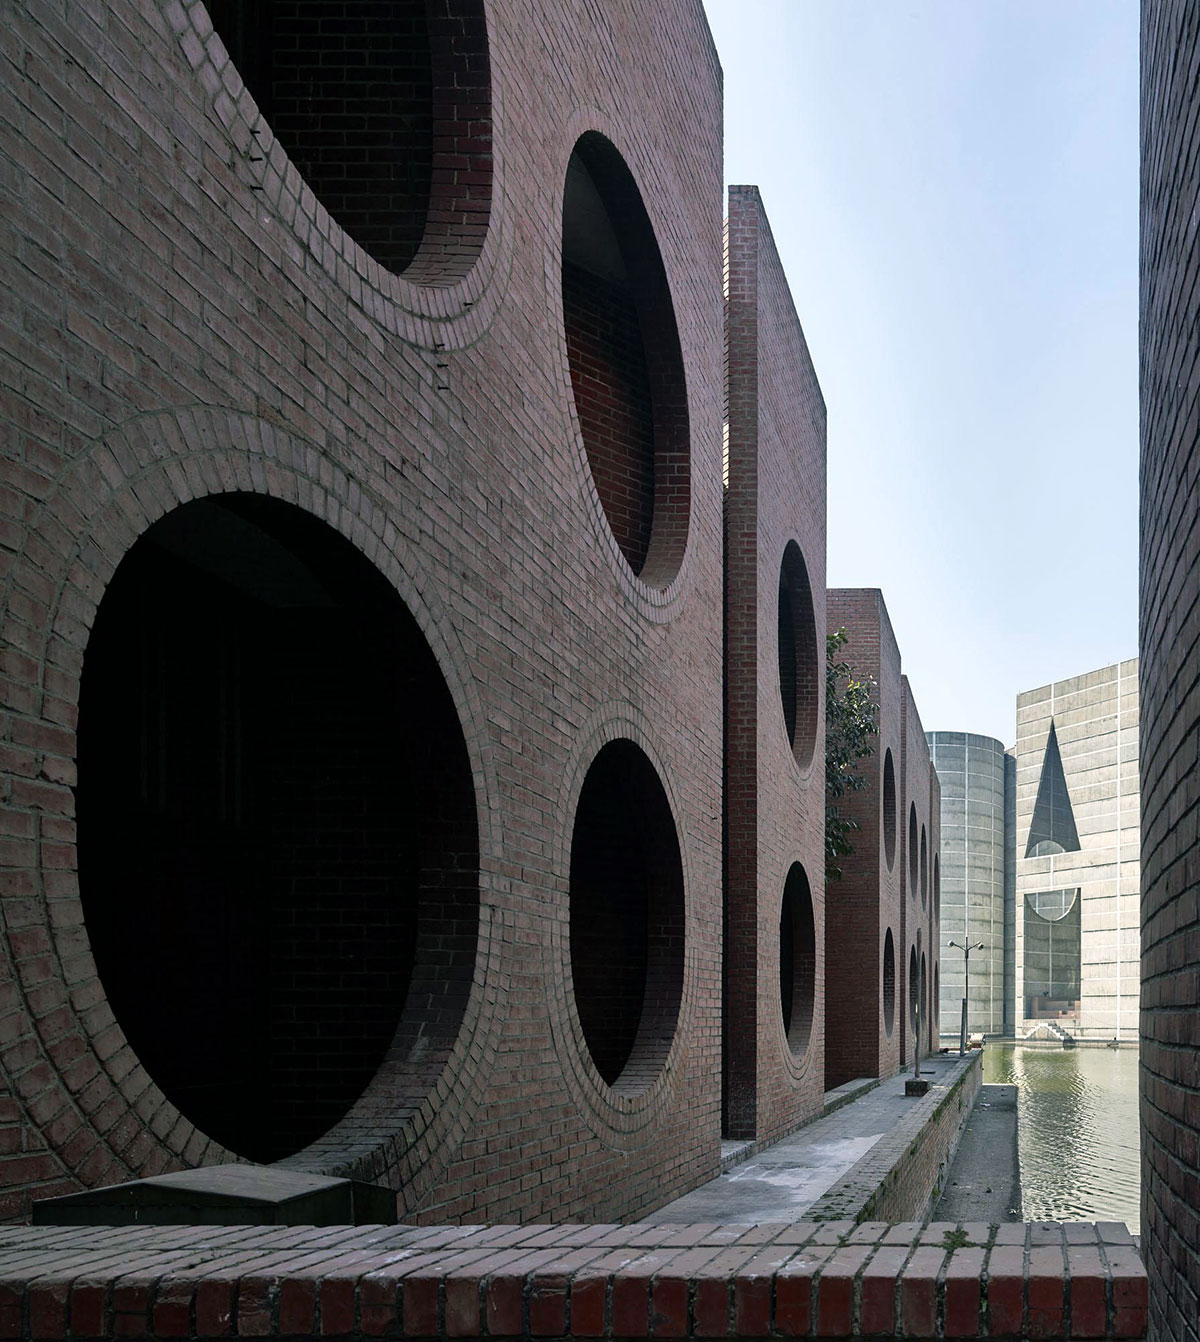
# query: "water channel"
[[1077, 1112]]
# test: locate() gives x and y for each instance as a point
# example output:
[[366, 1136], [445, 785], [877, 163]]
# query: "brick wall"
[[832, 1280], [774, 776], [866, 901], [915, 808], [184, 318], [1170, 697]]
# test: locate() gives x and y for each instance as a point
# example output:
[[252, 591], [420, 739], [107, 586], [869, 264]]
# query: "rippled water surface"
[[1077, 1130]]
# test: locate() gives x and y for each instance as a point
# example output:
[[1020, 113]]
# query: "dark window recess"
[[1053, 955], [275, 813]]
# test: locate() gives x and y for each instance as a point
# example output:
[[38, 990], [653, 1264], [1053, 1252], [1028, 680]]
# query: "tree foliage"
[[851, 723]]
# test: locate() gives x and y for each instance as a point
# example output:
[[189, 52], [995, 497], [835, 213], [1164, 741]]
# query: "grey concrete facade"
[[1040, 862], [1077, 853], [971, 770]]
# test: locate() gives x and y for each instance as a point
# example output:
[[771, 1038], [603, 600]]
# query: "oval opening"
[[937, 889], [798, 669], [889, 983], [924, 868], [277, 824], [626, 365], [889, 809], [797, 960], [385, 111], [914, 1000], [627, 917], [912, 850], [925, 997]]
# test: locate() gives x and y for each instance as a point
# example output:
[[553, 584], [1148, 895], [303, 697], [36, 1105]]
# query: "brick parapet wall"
[[900, 1177], [831, 1280]]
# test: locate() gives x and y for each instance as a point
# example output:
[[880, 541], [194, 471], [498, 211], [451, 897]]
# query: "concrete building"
[[1043, 844], [971, 770]]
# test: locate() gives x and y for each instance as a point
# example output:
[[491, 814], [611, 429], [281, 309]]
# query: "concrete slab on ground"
[[984, 1181], [780, 1182]]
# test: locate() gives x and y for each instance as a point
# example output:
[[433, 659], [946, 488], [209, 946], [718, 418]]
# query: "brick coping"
[[833, 1279]]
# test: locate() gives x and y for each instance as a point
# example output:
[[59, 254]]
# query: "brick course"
[[833, 1280]]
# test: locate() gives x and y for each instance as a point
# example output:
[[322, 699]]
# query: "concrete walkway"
[[984, 1181], [781, 1182]]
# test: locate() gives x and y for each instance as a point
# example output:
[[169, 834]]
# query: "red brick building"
[[775, 929], [864, 1009], [362, 542]]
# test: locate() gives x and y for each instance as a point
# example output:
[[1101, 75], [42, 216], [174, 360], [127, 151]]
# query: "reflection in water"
[[1078, 1130]]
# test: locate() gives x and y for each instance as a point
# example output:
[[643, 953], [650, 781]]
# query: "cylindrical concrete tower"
[[971, 771]]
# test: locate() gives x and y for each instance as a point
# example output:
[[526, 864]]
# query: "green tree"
[[851, 723]]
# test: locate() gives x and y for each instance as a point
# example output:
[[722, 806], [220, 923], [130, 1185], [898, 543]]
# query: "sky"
[[953, 189]]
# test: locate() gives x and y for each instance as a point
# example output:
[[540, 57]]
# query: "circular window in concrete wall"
[[912, 850], [627, 917], [798, 663], [889, 982], [385, 110], [625, 360], [924, 868], [914, 1000], [278, 852], [889, 809], [797, 960]]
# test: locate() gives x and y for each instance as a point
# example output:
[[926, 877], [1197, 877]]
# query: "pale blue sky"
[[953, 187]]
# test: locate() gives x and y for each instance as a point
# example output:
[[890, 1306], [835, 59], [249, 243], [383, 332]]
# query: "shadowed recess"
[[627, 917], [277, 834]]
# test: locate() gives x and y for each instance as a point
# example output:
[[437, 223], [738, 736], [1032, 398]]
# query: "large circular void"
[[626, 365], [913, 871], [384, 107], [278, 848], [889, 808], [914, 999], [798, 664], [924, 868], [627, 918], [797, 960], [889, 982]]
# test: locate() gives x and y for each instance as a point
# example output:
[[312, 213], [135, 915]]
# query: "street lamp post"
[[966, 947]]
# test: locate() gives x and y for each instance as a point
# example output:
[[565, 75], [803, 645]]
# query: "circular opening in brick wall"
[[912, 849], [889, 982], [278, 844], [626, 366], [924, 868], [924, 991], [914, 1000], [798, 668], [889, 809], [627, 917], [385, 110], [935, 1005], [797, 960]]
